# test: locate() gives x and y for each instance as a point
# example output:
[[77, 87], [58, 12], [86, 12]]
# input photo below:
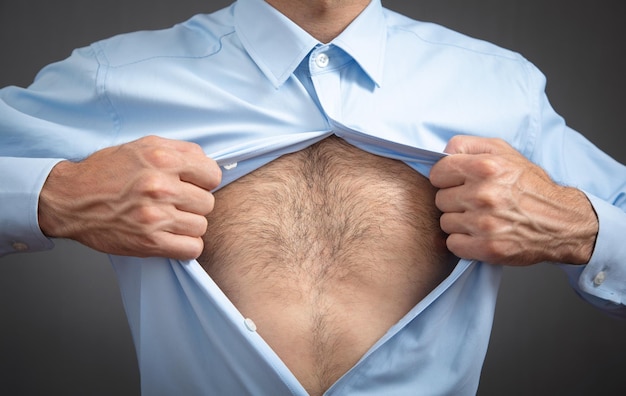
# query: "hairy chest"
[[322, 242]]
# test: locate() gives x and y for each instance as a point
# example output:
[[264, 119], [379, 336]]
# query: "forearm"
[[571, 227]]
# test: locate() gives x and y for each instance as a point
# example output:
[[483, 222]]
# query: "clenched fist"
[[144, 198], [500, 208]]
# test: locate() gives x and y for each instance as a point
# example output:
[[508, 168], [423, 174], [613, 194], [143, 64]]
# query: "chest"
[[317, 243]]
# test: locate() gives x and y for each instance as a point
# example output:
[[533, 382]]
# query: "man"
[[407, 294]]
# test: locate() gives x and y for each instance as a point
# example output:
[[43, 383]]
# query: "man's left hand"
[[500, 208]]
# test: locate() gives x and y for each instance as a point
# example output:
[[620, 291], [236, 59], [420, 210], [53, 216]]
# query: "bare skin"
[[144, 198], [322, 19], [317, 243], [500, 208]]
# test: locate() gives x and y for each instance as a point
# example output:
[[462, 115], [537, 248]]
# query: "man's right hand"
[[144, 198]]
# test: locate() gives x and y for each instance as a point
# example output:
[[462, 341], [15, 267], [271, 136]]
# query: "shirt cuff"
[[604, 276], [21, 180]]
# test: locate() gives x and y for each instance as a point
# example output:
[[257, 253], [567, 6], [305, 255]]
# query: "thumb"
[[463, 144]]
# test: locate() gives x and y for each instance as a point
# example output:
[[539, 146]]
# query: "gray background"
[[62, 327]]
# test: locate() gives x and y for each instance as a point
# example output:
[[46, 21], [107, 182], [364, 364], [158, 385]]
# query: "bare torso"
[[325, 249]]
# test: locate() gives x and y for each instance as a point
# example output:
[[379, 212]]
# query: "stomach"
[[325, 249]]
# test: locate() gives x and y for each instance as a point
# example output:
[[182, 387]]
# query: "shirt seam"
[[102, 75], [535, 109], [150, 58], [510, 55]]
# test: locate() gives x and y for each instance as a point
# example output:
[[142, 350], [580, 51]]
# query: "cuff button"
[[19, 246], [599, 279]]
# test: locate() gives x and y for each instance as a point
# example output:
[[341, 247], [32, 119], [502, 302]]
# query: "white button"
[[599, 279], [322, 60], [230, 166], [19, 246], [250, 325]]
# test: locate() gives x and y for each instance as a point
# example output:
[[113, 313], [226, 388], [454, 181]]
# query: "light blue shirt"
[[248, 85]]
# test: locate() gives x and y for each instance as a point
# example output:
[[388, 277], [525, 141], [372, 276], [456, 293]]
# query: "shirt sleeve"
[[605, 274], [573, 160], [62, 115]]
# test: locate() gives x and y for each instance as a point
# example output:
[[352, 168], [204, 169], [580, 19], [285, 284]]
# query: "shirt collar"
[[278, 45]]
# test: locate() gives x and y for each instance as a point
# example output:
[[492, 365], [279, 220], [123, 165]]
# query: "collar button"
[[322, 60]]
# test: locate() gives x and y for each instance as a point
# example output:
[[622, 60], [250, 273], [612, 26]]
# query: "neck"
[[322, 19]]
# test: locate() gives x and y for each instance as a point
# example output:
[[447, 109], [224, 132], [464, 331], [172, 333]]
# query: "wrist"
[[582, 230], [54, 199]]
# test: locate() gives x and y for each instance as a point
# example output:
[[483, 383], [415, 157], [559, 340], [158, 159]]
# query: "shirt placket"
[[324, 64]]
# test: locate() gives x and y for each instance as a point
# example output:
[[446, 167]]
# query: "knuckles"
[[153, 185], [173, 157], [492, 251], [164, 153], [488, 166], [487, 197], [148, 216], [161, 157], [488, 225], [144, 184]]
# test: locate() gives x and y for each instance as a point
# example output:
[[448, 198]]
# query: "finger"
[[454, 223], [179, 247], [449, 171], [462, 246], [451, 200], [167, 189], [463, 144], [186, 224], [202, 171], [193, 199], [186, 158]]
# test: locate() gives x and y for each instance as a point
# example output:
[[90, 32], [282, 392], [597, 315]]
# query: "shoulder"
[[200, 36], [454, 56], [431, 36], [467, 85]]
